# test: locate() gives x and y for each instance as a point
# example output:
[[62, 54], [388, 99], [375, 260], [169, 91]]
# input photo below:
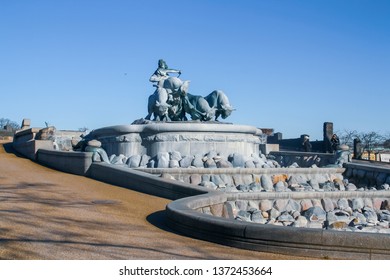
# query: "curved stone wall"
[[187, 216]]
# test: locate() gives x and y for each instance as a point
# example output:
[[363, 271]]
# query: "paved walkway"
[[46, 214]]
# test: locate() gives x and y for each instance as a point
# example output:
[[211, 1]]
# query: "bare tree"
[[346, 136], [370, 141], [7, 122]]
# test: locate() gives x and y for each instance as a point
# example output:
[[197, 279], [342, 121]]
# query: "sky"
[[286, 65]]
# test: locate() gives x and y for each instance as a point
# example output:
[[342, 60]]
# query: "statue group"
[[171, 100]]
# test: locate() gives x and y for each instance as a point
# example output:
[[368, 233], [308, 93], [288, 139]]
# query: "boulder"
[[162, 160], [134, 161], [195, 179], [175, 155], [266, 183], [186, 161], [315, 214]]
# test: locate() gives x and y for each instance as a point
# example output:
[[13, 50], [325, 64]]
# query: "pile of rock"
[[356, 214], [210, 160]]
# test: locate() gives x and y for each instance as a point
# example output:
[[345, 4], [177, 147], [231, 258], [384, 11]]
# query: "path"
[[46, 214]]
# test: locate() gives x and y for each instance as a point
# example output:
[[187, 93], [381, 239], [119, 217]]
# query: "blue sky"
[[287, 65]]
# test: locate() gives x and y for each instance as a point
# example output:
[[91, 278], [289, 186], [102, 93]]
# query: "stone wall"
[[368, 176]]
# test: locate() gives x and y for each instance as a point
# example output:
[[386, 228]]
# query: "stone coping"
[[26, 132], [368, 167], [240, 171], [153, 128], [299, 153]]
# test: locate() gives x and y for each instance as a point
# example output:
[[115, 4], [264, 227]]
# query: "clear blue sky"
[[287, 65]]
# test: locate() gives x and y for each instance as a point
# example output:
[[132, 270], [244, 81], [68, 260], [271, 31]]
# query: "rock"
[[328, 186], [243, 188], [342, 203], [280, 204], [370, 215], [357, 204], [255, 187], [249, 164], [297, 179], [285, 217], [384, 216], [144, 161], [295, 214], [237, 160], [331, 217], [265, 205], [237, 179], [227, 179], [197, 161], [266, 183], [243, 216], [274, 213], [175, 155], [253, 204], [368, 203], [358, 219], [121, 159], [306, 204], [216, 179], [385, 187], [279, 178], [327, 204], [257, 217], [210, 163], [224, 164], [186, 161], [314, 184], [134, 161], [338, 225], [151, 164], [316, 203], [242, 205], [350, 187], [173, 164], [247, 179], [377, 203], [211, 154], [342, 215], [265, 214], [209, 185], [205, 177], [293, 206], [315, 214], [195, 179], [300, 222], [162, 160], [280, 187]]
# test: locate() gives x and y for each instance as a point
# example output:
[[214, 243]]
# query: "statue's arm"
[[166, 71]]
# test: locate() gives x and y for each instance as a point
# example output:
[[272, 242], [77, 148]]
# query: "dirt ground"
[[46, 214]]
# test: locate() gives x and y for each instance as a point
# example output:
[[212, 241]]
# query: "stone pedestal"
[[188, 138]]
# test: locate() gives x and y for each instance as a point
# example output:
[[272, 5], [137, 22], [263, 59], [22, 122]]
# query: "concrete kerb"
[[143, 182]]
